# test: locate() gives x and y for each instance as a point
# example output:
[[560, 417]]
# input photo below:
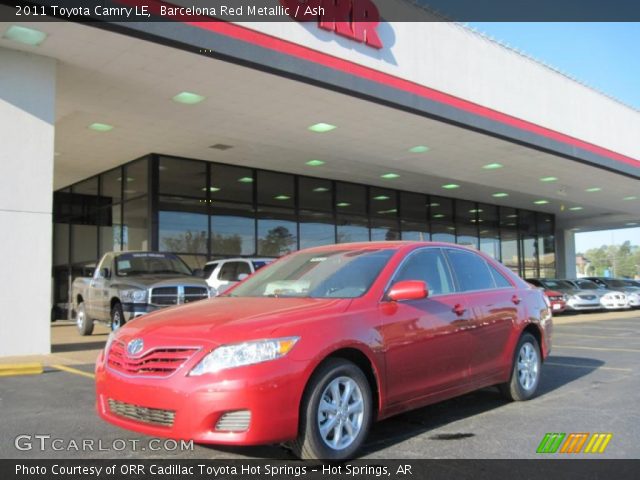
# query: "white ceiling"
[[111, 78]]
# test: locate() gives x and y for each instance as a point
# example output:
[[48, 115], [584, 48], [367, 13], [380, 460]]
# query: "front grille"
[[154, 416], [587, 297], [167, 296], [158, 362], [237, 421], [193, 294], [164, 296]]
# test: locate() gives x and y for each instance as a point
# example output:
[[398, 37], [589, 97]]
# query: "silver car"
[[609, 299]]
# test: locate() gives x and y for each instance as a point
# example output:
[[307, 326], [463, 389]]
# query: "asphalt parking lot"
[[590, 383]]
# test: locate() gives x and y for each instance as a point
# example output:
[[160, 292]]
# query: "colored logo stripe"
[[573, 442], [550, 443], [598, 443]]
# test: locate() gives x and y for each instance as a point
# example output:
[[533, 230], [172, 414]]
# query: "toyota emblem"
[[134, 347]]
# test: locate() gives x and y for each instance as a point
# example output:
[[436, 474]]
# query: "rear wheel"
[[84, 324], [336, 412], [117, 316], [525, 374]]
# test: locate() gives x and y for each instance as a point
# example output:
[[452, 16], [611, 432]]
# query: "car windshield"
[[613, 283], [558, 285], [586, 285], [130, 264], [329, 274]]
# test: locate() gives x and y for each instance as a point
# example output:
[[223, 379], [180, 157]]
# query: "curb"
[[10, 370]]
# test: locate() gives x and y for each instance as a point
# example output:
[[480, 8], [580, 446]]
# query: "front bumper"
[[579, 305], [133, 310], [270, 392]]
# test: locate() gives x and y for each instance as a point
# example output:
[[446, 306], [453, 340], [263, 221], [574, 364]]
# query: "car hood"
[[227, 319], [146, 281], [597, 293]]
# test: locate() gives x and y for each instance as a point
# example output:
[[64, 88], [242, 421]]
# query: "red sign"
[[353, 19]]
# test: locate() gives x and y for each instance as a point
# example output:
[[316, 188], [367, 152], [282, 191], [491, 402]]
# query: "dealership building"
[[218, 139]]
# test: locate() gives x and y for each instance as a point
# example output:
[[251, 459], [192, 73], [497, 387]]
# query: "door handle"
[[516, 299], [459, 310]]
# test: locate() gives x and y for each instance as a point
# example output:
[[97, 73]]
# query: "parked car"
[[224, 274], [632, 292], [315, 347], [609, 299], [631, 283], [577, 299], [558, 300], [126, 285]]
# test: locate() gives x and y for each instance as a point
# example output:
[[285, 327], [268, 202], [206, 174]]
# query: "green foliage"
[[620, 260]]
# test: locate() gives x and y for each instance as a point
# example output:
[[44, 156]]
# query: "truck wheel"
[[117, 316], [336, 413], [84, 323]]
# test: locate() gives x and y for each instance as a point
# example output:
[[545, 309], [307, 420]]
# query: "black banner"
[[547, 469], [322, 10]]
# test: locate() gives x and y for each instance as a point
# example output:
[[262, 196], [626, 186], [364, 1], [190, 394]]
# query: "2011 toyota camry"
[[315, 347]]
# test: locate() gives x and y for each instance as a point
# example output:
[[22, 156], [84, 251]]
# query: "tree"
[[277, 242]]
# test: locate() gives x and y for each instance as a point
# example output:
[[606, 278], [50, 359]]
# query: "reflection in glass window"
[[316, 229], [111, 185], [275, 189], [315, 194], [233, 230], [187, 178], [471, 270], [277, 232], [428, 265], [136, 225], [135, 178], [490, 242], [414, 231], [351, 199], [352, 228], [384, 229], [111, 229], [232, 184], [183, 232]]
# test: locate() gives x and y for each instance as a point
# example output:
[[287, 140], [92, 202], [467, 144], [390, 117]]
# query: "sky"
[[606, 56]]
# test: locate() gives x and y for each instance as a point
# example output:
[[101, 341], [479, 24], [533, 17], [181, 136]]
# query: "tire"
[[84, 323], [117, 316], [525, 373], [329, 383]]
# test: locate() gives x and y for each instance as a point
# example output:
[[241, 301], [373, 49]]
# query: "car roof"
[[246, 259]]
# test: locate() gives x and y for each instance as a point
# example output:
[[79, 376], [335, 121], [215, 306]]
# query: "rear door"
[[495, 305], [426, 341]]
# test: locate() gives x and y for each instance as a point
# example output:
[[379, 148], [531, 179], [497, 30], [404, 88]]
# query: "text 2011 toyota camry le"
[[315, 347]]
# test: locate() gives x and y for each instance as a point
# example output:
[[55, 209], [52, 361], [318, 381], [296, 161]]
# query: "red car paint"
[[558, 303], [420, 351]]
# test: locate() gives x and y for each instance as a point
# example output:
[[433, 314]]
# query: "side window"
[[430, 266], [228, 272], [243, 267], [470, 270], [499, 278], [107, 262], [208, 269]]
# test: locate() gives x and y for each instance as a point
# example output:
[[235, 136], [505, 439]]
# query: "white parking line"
[[572, 365]]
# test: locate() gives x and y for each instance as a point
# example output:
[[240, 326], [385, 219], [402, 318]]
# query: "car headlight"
[[247, 353], [133, 296], [565, 297], [110, 338]]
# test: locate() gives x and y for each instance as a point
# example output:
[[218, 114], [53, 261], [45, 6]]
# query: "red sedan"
[[315, 347]]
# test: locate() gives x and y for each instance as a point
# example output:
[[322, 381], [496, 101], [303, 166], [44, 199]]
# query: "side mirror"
[[408, 290], [242, 276], [198, 272]]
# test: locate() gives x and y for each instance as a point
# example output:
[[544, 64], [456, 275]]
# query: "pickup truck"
[[126, 285]]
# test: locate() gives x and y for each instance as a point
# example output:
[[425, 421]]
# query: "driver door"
[[99, 301]]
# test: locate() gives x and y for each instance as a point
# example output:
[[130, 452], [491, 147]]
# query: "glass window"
[[233, 229], [111, 185], [530, 256], [136, 178], [546, 245], [351, 198], [316, 228], [277, 232], [352, 228], [187, 178], [471, 270], [382, 202], [499, 278], [509, 238], [383, 229], [428, 265], [111, 229], [60, 243], [209, 268], [230, 271], [84, 243], [466, 219], [136, 225], [183, 232], [137, 263], [275, 189], [235, 183], [414, 207], [315, 194], [441, 209], [442, 232], [490, 242], [414, 231]]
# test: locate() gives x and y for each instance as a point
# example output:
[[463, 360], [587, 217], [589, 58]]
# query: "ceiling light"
[[315, 163], [540, 202], [419, 149], [322, 127], [492, 166], [381, 197], [549, 179], [282, 197], [101, 127], [343, 204], [434, 204], [476, 210], [246, 180], [188, 98], [320, 189], [592, 189], [24, 35], [389, 176], [211, 189], [450, 186], [129, 179], [631, 197], [575, 209], [392, 210], [500, 195], [439, 215]]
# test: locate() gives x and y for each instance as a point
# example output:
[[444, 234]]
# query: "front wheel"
[[84, 324], [336, 412], [525, 374], [117, 317]]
